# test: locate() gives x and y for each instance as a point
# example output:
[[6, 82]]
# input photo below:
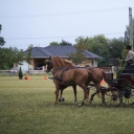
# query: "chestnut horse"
[[66, 74]]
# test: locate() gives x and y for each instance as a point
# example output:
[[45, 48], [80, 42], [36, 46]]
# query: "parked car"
[[38, 68], [13, 70]]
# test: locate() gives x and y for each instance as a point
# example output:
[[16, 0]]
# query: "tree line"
[[111, 50]]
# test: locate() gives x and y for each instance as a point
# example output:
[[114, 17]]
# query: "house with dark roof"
[[40, 54]]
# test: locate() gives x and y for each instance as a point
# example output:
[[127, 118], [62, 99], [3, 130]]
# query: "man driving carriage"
[[129, 60], [130, 56]]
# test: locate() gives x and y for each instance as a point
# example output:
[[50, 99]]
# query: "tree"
[[20, 74], [97, 44], [9, 56], [2, 41], [28, 55], [65, 43], [19, 56], [0, 28], [62, 43], [54, 44], [78, 57], [116, 47]]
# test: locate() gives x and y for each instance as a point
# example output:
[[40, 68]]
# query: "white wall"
[[24, 67]]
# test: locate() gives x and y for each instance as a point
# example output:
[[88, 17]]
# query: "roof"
[[62, 51]]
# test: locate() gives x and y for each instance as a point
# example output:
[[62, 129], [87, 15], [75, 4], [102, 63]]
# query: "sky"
[[39, 22]]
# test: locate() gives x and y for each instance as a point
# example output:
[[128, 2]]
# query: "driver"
[[130, 56]]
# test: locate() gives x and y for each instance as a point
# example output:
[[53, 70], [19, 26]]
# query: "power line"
[[51, 37], [66, 13]]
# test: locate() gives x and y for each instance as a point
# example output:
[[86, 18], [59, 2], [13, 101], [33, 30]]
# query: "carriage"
[[120, 91]]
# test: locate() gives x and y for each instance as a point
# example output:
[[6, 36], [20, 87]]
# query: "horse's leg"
[[61, 98], [92, 96], [56, 94], [86, 93], [99, 89], [75, 93], [62, 87], [103, 99]]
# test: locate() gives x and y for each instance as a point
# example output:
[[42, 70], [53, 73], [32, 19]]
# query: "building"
[[40, 54]]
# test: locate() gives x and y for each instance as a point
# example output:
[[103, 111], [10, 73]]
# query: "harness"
[[60, 78], [65, 69]]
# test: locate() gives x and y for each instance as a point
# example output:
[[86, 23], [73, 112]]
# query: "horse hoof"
[[75, 103], [63, 99], [79, 105], [60, 99], [90, 101]]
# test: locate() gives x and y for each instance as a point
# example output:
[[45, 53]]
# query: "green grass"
[[26, 107]]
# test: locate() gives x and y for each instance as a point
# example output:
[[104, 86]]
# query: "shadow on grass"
[[86, 105]]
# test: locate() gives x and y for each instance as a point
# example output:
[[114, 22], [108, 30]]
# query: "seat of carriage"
[[126, 75], [129, 69]]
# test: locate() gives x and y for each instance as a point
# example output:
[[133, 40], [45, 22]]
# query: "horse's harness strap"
[[65, 69], [60, 78]]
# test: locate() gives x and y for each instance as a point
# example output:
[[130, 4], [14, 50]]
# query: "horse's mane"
[[59, 62]]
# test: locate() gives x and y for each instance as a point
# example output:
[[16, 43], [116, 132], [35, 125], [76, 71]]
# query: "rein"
[[65, 69]]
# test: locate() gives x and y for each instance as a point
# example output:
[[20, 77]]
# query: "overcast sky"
[[40, 22]]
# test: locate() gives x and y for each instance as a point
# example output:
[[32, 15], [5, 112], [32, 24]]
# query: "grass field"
[[26, 107]]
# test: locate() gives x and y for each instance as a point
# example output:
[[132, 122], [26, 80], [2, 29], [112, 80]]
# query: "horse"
[[98, 75], [66, 74], [68, 69]]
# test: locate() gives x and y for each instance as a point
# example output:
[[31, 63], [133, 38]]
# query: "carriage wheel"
[[113, 98], [128, 97]]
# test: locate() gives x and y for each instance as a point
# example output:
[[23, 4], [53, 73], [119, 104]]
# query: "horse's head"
[[49, 65]]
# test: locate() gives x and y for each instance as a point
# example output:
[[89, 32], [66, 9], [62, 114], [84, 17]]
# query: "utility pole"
[[131, 27]]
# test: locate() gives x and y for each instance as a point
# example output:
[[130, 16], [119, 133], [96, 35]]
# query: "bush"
[[20, 74]]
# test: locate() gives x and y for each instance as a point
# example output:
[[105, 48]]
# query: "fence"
[[15, 72]]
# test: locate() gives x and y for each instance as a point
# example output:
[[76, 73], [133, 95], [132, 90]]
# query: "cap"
[[128, 47]]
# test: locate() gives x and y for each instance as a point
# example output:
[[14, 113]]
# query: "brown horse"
[[66, 74], [98, 75]]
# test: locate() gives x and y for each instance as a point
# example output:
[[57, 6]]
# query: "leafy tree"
[[82, 43], [19, 56], [0, 28], [9, 56], [54, 44], [28, 55], [97, 44], [78, 57], [65, 43], [2, 41], [62, 43], [116, 47]]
